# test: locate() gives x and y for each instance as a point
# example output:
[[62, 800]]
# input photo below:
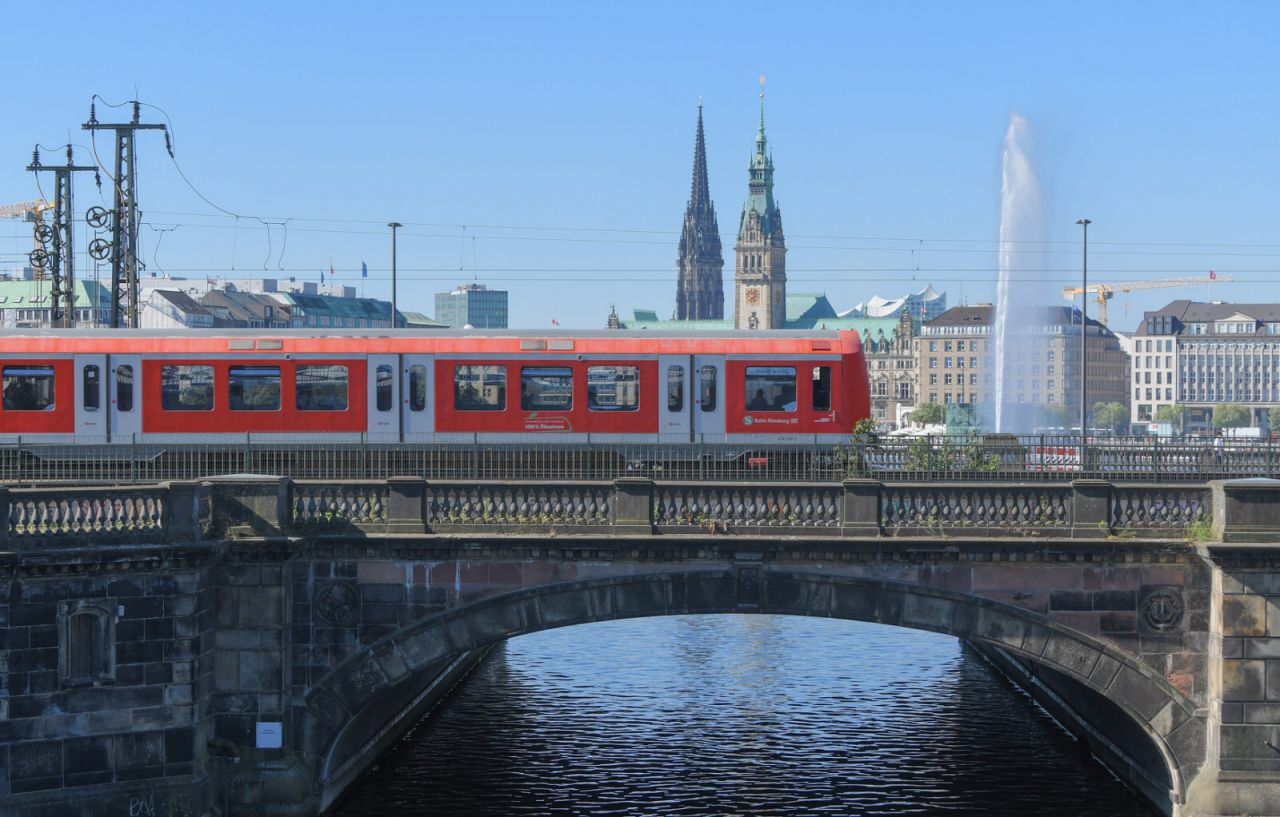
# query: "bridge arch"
[[365, 698]]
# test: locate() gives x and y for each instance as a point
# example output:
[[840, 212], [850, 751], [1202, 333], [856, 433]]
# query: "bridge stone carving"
[[339, 610]]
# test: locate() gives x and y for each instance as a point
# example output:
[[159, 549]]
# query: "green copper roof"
[[36, 295]]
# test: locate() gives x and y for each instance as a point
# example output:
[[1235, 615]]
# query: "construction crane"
[[1106, 292], [33, 211]]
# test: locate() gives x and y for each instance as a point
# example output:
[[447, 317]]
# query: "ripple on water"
[[760, 716]]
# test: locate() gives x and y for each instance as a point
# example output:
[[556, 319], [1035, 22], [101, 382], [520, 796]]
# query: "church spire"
[[760, 275], [700, 195], [700, 290]]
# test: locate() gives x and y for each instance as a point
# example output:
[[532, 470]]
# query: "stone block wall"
[[136, 721], [1251, 671]]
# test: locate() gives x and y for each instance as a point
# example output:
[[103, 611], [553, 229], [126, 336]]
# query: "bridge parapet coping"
[[253, 506]]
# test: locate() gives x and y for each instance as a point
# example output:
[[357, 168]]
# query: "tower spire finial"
[[762, 104]]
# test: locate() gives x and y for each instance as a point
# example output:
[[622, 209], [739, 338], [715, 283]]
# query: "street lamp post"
[[394, 225], [1084, 336]]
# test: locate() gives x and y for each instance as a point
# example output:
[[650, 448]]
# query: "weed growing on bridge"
[[1201, 530]]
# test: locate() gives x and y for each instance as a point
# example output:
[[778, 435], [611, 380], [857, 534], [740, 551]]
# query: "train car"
[[424, 386]]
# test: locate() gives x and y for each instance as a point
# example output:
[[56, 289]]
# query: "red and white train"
[[422, 386]]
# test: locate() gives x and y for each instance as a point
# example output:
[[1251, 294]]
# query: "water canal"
[[738, 715]]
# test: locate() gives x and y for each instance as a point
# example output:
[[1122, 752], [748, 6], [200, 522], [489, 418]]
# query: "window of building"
[[320, 388], [821, 386], [770, 388], [92, 398], [973, 381], [946, 346], [707, 388], [417, 387], [904, 391], [933, 346], [86, 651], [933, 397], [933, 380], [946, 363], [253, 388], [28, 388], [124, 388], [933, 363], [947, 398], [675, 388], [613, 388], [1049, 355], [186, 388], [546, 388], [480, 388]]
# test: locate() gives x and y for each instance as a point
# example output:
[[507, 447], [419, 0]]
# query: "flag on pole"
[[555, 322], [1213, 276], [364, 270], [332, 275], [321, 277]]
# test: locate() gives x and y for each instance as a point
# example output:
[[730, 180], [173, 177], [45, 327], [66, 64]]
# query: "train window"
[[771, 388], [613, 388], [480, 388], [675, 388], [417, 388], [320, 388], [28, 388], [186, 388], [92, 397], [382, 386], [707, 388], [546, 388], [124, 388], [254, 388], [822, 388]]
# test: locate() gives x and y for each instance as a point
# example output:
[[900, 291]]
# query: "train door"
[[417, 414], [707, 390], [675, 399], [124, 397], [384, 399], [91, 392]]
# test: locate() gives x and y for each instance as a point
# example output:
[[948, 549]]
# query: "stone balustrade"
[[257, 506]]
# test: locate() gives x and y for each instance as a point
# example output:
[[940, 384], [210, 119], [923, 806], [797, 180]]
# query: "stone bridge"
[[249, 645]]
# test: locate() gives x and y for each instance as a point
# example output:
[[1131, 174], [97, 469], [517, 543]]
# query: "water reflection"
[[738, 715]]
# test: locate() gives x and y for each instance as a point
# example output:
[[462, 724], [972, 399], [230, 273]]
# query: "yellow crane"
[[33, 211], [1106, 292]]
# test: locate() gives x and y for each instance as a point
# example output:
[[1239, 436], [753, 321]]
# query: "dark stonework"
[[339, 634]]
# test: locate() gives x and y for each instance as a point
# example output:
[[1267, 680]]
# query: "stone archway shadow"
[[359, 701]]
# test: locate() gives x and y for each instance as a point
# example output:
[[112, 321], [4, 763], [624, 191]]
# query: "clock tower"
[[760, 278]]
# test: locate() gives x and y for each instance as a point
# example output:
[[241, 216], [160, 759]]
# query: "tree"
[[1275, 422], [1230, 415], [927, 414], [1173, 414], [1110, 415]]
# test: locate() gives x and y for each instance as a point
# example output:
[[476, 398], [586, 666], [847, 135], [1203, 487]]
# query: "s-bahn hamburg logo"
[[774, 421], [536, 422], [1162, 609]]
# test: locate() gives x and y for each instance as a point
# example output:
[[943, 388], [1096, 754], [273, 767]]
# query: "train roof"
[[317, 333], [410, 341]]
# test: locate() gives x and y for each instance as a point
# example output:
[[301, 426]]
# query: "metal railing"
[[889, 459]]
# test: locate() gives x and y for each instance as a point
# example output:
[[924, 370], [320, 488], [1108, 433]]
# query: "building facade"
[[700, 288], [472, 305], [29, 304], [891, 368], [760, 276], [1202, 355], [956, 363]]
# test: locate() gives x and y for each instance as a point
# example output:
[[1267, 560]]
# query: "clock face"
[[753, 296]]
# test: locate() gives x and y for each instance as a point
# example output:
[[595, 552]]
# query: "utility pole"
[[124, 224], [394, 225], [60, 254], [1084, 335]]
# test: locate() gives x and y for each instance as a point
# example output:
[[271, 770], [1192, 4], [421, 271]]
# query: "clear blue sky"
[[562, 136]]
